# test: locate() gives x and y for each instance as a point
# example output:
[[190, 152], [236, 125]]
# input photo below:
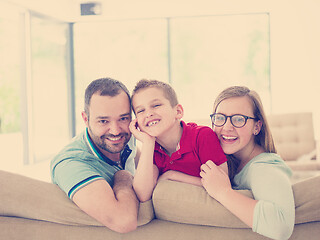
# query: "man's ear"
[[180, 111], [85, 118]]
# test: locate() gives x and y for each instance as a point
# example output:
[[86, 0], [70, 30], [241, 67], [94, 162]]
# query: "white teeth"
[[229, 138], [114, 138], [152, 123]]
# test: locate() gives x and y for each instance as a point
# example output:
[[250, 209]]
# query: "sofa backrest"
[[293, 133]]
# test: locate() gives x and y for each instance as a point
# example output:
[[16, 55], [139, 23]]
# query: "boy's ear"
[[180, 111]]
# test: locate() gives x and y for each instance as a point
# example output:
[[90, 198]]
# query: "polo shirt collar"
[[125, 153], [185, 140]]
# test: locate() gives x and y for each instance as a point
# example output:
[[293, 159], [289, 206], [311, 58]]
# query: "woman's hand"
[[214, 180], [138, 134]]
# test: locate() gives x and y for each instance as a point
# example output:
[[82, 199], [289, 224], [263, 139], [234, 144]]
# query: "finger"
[[205, 168], [202, 181], [132, 125], [211, 164]]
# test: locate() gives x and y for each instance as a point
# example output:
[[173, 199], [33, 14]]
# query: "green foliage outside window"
[[10, 119]]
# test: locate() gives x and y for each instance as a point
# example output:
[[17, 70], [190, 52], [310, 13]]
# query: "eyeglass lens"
[[236, 120]]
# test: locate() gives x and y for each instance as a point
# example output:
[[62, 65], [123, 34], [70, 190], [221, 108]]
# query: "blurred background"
[[51, 50]]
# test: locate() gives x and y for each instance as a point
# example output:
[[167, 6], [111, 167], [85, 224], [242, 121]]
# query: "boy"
[[171, 149]]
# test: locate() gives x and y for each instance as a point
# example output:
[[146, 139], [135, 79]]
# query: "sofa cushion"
[[185, 203], [293, 134], [307, 200], [30, 198]]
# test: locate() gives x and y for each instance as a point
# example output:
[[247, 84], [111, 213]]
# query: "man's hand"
[[122, 180], [122, 184], [116, 208]]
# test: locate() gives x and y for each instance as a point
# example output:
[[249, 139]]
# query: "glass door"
[[48, 106]]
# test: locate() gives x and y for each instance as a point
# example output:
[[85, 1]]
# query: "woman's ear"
[[179, 110], [257, 127]]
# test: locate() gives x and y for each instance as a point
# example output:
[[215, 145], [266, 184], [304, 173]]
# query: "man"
[[96, 169]]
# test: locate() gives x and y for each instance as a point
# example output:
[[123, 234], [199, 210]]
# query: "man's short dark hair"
[[105, 87]]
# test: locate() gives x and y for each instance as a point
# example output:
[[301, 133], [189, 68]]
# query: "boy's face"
[[154, 112]]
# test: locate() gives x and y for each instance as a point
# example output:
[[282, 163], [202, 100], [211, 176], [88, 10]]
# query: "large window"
[[199, 56], [9, 70], [33, 86], [10, 90], [124, 50], [48, 112], [212, 53]]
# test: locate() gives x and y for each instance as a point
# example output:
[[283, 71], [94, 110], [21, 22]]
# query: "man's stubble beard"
[[111, 148]]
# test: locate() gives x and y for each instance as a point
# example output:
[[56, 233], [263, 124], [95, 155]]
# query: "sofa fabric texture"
[[185, 203], [32, 209]]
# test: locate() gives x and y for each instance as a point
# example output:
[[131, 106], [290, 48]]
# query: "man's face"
[[108, 123]]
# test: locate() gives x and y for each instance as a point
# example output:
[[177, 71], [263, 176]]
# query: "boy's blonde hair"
[[166, 88]]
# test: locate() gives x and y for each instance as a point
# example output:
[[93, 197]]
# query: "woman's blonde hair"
[[264, 138]]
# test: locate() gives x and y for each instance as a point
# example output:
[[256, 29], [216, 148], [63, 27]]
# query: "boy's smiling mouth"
[[153, 122]]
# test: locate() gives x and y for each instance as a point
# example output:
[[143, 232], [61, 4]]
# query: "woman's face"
[[237, 141]]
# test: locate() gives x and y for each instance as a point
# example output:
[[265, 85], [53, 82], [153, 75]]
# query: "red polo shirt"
[[198, 144]]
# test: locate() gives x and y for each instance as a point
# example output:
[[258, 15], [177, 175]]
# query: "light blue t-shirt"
[[268, 177], [81, 163]]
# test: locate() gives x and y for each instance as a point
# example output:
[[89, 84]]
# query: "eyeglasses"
[[237, 120]]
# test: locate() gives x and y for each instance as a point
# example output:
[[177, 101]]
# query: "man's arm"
[[116, 208]]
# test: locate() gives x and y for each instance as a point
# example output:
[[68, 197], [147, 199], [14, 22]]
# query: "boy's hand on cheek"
[[138, 134]]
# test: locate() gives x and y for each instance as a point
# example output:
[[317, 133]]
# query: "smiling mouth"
[[149, 124], [114, 138], [229, 138]]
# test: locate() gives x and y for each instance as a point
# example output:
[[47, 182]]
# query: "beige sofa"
[[36, 210]]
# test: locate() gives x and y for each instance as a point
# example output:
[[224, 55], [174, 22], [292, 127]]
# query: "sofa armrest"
[[30, 198]]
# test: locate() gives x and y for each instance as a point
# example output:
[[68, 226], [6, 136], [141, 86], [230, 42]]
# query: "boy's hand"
[[138, 134]]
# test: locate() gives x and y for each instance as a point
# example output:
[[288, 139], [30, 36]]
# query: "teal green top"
[[268, 177], [81, 163]]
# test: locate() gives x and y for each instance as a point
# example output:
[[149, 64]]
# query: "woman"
[[239, 120]]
